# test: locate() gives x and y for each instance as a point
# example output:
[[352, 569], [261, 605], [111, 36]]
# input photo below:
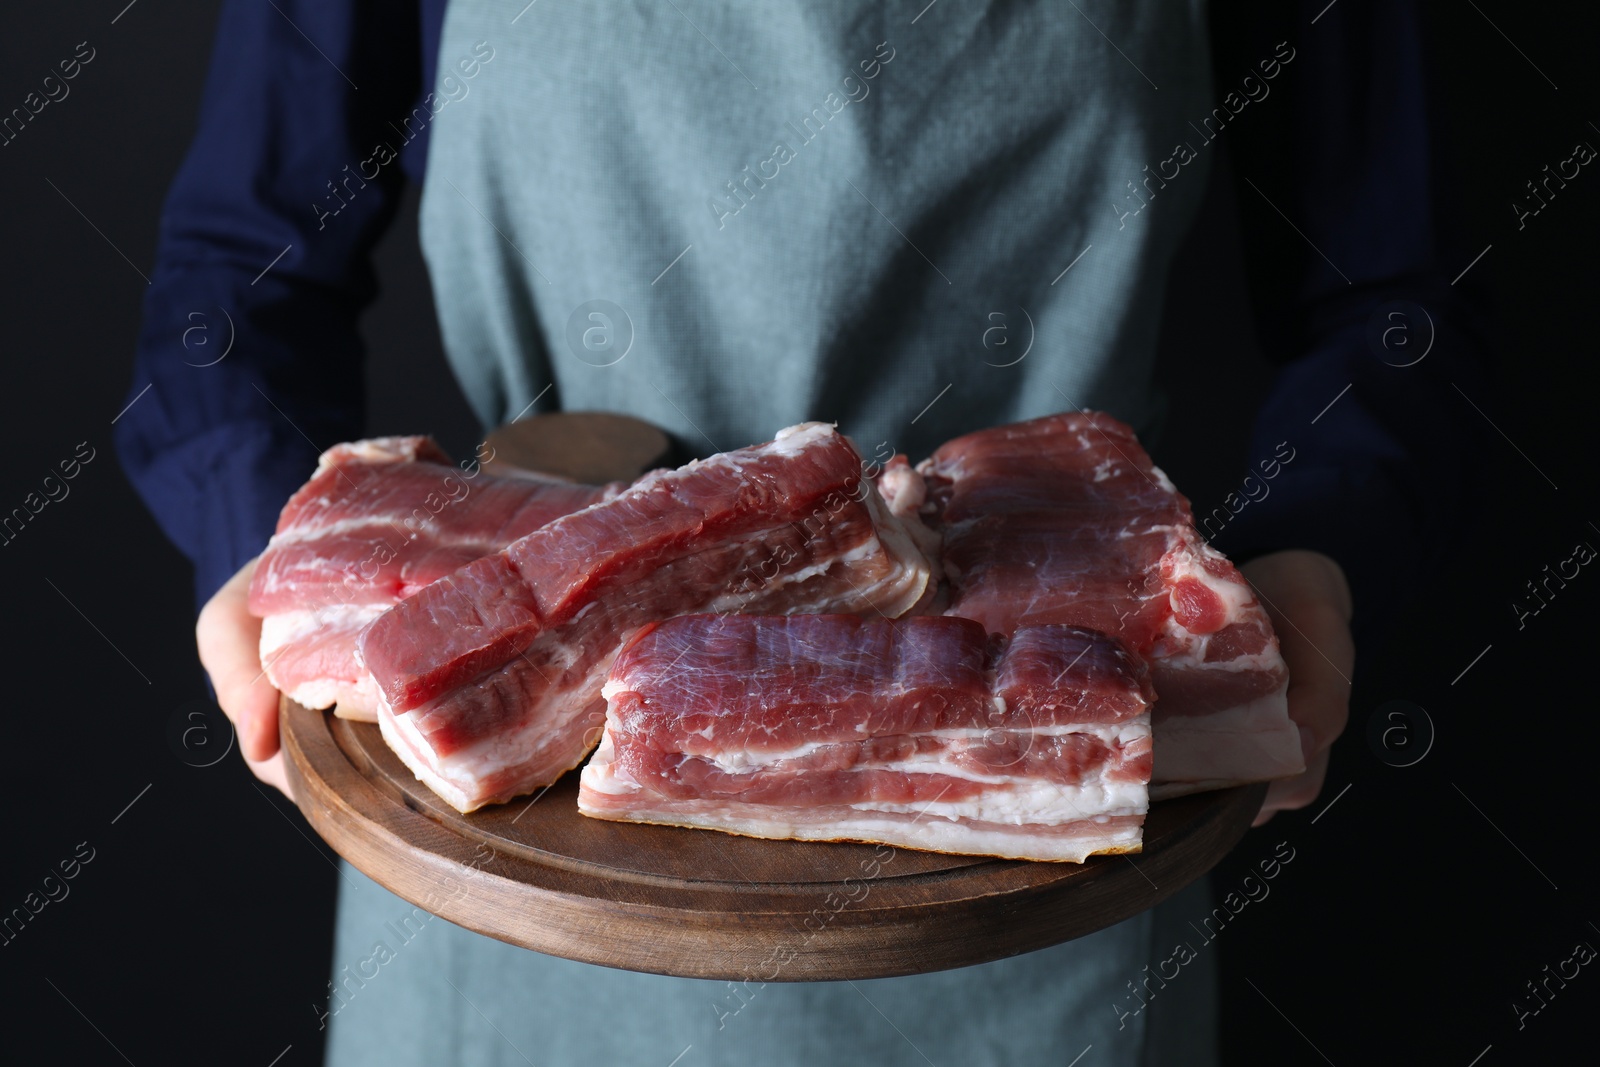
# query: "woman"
[[724, 219]]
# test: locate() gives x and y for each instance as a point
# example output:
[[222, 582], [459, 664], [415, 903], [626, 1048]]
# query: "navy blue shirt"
[[1350, 156]]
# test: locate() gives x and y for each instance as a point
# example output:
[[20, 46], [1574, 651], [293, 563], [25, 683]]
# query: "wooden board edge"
[[833, 940]]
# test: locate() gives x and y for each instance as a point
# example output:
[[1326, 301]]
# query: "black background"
[[1417, 906]]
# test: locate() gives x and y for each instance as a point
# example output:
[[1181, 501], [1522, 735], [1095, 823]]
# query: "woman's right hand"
[[229, 638]]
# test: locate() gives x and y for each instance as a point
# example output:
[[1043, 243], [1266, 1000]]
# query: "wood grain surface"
[[586, 446], [702, 904]]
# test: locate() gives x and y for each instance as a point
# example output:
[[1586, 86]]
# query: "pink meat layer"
[[754, 724], [378, 521], [751, 683], [381, 519], [491, 677], [1065, 519]]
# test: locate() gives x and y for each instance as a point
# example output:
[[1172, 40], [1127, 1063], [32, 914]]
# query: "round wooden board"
[[701, 904]]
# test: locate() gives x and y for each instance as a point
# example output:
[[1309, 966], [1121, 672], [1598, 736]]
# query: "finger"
[[1316, 646], [1291, 794], [229, 642], [272, 772], [1308, 600]]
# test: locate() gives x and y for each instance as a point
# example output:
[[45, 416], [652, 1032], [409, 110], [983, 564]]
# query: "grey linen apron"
[[725, 218]]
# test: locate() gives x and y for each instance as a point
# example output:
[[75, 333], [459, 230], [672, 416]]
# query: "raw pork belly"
[[490, 678], [379, 520], [923, 732], [1064, 519]]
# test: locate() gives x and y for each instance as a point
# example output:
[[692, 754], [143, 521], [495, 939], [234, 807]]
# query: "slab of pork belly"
[[923, 732], [378, 520], [490, 679], [1065, 519]]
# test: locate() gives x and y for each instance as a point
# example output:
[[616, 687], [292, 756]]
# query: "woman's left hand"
[[1308, 600]]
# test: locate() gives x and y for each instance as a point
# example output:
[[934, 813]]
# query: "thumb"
[[229, 642]]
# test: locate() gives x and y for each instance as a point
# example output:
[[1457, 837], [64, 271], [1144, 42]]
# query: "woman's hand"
[[229, 638], [1308, 600]]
